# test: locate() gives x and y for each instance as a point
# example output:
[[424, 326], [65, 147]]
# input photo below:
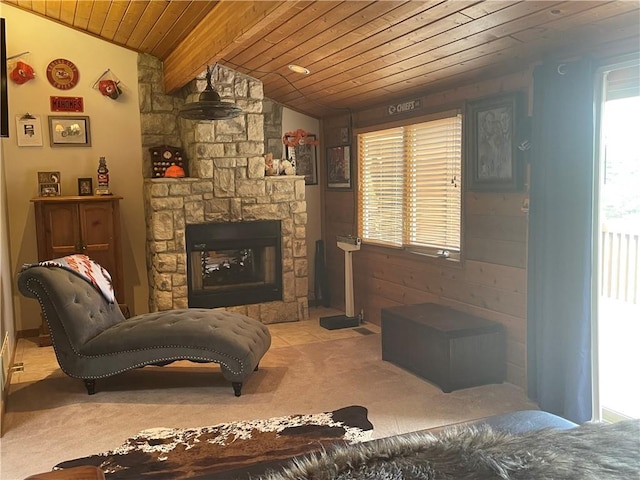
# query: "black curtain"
[[560, 239]]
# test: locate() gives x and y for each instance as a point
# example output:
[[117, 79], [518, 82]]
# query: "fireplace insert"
[[237, 263]]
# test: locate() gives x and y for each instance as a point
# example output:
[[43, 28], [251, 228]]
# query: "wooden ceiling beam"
[[217, 35]]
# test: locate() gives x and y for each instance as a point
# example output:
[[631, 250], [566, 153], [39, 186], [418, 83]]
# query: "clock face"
[[167, 154]]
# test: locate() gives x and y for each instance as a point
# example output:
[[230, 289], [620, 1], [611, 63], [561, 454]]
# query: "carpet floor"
[[53, 419]]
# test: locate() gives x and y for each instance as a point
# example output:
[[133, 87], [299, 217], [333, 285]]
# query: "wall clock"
[[62, 74]]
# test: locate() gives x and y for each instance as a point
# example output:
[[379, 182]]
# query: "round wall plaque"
[[62, 74]]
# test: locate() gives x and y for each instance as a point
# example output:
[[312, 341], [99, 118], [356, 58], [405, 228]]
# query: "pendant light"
[[209, 106]]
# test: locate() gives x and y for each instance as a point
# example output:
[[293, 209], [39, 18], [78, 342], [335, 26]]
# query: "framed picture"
[[29, 130], [491, 150], [48, 177], [49, 189], [85, 186], [339, 167], [304, 154], [49, 184], [69, 131], [344, 135]]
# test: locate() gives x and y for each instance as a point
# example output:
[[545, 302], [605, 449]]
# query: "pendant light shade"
[[209, 106]]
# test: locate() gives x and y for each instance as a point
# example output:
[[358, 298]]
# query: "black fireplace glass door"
[[239, 267]]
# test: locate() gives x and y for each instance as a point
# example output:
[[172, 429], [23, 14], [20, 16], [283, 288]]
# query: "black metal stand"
[[321, 285], [339, 321]]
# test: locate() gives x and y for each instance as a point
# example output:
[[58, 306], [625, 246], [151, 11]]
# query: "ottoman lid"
[[444, 319]]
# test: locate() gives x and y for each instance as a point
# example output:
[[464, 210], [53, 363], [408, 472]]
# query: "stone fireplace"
[[227, 186]]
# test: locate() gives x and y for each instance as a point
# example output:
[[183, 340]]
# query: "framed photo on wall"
[[490, 139], [339, 167], [69, 131], [29, 130]]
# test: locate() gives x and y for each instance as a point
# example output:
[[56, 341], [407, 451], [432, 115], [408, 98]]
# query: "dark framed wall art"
[[491, 152], [339, 167], [305, 156]]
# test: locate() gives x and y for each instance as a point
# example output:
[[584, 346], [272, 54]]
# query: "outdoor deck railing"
[[620, 266]]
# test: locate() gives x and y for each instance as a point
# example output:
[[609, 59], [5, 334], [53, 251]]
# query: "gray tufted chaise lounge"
[[92, 339]]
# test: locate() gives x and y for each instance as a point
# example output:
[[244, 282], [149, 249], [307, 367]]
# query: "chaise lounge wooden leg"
[[237, 387], [90, 385]]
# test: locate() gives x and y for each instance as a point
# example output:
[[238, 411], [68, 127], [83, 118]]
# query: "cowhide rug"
[[229, 450], [587, 452]]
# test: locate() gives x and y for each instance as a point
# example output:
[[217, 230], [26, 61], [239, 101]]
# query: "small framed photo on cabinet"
[[85, 186], [49, 184], [49, 189]]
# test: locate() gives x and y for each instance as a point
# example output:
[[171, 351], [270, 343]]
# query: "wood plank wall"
[[491, 280]]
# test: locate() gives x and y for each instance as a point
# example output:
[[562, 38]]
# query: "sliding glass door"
[[617, 343]]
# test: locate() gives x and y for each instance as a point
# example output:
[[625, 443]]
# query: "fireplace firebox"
[[237, 263]]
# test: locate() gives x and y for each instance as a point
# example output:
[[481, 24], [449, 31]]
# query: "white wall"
[[7, 328], [292, 121], [115, 134]]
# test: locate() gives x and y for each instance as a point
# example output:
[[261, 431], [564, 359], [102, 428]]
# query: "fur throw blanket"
[[589, 452]]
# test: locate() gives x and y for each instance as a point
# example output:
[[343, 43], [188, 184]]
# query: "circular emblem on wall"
[[62, 74]]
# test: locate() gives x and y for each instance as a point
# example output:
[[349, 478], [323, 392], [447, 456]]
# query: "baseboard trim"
[[4, 395], [312, 302], [28, 333]]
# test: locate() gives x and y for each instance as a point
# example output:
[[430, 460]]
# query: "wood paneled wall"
[[490, 281]]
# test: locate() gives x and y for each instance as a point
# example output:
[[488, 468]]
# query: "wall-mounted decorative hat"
[[19, 68], [108, 85]]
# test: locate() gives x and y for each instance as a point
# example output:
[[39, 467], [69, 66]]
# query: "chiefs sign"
[[404, 107]]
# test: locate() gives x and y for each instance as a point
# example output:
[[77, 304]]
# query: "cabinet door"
[[99, 238], [97, 234], [62, 233]]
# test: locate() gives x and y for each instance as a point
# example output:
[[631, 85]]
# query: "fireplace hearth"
[[237, 263]]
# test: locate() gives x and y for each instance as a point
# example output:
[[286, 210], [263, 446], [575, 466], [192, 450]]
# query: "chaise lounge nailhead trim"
[[92, 339]]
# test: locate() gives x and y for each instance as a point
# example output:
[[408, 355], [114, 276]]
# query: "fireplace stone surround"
[[227, 184]]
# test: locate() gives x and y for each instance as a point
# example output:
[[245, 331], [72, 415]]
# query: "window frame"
[[456, 257]]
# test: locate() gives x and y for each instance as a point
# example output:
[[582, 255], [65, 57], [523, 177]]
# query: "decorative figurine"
[[270, 165], [103, 178], [287, 167]]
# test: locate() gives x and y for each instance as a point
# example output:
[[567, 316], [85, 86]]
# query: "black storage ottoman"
[[452, 349]]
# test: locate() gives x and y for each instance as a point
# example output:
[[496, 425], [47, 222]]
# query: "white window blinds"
[[381, 186], [410, 186]]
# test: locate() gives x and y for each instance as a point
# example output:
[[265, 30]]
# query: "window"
[[410, 186]]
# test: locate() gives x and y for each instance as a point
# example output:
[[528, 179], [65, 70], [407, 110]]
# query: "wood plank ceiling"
[[360, 53]]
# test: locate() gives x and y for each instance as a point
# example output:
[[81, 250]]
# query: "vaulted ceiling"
[[359, 53]]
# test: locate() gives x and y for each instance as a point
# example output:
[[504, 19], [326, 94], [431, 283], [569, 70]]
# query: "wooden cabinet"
[[82, 224]]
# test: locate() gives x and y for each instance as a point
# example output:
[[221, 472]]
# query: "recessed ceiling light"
[[299, 69]]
